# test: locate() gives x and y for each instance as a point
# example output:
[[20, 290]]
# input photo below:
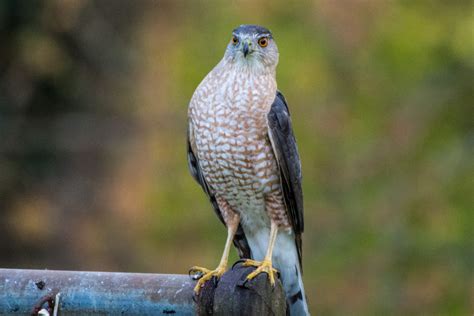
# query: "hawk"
[[242, 151]]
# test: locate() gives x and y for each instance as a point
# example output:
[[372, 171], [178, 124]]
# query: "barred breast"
[[228, 118]]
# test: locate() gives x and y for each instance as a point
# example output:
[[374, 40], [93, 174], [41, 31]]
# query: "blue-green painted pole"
[[92, 293]]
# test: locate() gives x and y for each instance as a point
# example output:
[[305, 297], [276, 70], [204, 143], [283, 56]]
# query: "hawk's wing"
[[240, 241], [280, 132]]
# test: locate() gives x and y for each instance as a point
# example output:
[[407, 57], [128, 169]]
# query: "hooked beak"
[[245, 49]]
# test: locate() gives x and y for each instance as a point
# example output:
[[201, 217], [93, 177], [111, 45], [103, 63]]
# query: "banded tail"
[[286, 261], [294, 289]]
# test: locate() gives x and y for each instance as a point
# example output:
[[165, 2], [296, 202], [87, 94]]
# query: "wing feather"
[[280, 132]]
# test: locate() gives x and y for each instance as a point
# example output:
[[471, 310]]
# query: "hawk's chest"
[[229, 119]]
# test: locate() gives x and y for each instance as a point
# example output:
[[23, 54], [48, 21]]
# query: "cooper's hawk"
[[242, 151]]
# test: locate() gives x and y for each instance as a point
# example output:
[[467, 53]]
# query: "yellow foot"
[[262, 266], [205, 275]]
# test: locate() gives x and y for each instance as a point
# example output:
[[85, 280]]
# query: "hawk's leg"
[[266, 264], [232, 221]]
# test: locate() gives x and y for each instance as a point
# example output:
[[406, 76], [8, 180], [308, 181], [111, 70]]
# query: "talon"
[[263, 266], [197, 272], [205, 275]]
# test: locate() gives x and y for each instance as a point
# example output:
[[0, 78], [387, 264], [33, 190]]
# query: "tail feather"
[[291, 278], [295, 296], [286, 261]]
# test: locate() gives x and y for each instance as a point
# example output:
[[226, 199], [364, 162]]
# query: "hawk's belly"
[[237, 161], [229, 121]]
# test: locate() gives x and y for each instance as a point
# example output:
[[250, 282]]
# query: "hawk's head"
[[252, 46]]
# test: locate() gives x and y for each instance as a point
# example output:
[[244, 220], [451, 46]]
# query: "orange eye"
[[263, 42], [234, 40]]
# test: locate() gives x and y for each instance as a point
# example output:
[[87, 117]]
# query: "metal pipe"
[[87, 293]]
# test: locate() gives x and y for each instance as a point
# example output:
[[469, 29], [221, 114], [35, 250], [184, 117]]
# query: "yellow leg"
[[266, 264], [221, 268]]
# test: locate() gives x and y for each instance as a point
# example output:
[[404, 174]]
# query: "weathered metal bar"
[[25, 292], [87, 293]]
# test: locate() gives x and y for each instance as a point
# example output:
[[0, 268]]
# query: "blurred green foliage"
[[93, 175]]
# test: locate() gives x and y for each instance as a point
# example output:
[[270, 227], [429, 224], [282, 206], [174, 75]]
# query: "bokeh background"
[[93, 173]]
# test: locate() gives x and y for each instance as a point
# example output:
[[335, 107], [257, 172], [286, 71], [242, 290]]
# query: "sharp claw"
[[197, 289], [245, 282], [272, 280], [197, 272], [192, 274], [202, 275], [264, 266], [195, 275]]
